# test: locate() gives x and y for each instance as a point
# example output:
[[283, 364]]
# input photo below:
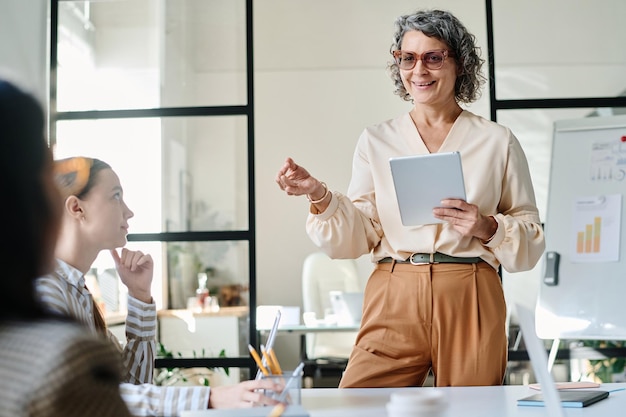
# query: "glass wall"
[[159, 90], [132, 54], [559, 49], [556, 60], [540, 59]]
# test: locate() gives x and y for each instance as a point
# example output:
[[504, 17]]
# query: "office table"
[[500, 401], [302, 329], [331, 364]]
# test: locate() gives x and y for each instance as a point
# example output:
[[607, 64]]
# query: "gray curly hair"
[[447, 28]]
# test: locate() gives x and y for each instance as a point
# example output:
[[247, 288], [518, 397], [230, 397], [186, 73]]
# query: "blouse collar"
[[71, 274]]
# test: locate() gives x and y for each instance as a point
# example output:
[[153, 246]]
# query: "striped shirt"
[[64, 291], [44, 362]]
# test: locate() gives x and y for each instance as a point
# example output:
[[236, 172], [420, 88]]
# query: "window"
[[162, 91]]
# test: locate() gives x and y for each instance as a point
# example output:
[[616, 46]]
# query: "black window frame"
[[248, 235]]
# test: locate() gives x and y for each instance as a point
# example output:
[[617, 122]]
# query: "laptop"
[[347, 307], [422, 181], [554, 400]]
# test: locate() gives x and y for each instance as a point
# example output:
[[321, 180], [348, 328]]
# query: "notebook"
[[553, 399], [569, 398], [422, 181]]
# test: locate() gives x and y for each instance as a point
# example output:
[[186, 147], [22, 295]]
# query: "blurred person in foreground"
[[49, 365]]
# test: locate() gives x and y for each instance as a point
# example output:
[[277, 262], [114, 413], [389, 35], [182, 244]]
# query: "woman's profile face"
[[427, 86], [105, 213]]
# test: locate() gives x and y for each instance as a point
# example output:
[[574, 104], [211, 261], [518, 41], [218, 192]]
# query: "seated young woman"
[[95, 218]]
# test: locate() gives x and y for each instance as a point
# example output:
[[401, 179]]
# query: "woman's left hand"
[[135, 269], [243, 395], [466, 219]]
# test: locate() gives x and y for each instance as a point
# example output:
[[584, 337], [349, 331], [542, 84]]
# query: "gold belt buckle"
[[432, 259]]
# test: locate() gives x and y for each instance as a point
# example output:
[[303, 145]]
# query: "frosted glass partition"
[[127, 54], [559, 49], [179, 173]]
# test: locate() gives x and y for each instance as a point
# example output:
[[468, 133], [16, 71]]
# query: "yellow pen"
[[256, 358], [277, 411], [268, 360], [272, 355]]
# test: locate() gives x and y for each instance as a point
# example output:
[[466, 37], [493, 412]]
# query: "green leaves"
[[604, 369], [171, 376]]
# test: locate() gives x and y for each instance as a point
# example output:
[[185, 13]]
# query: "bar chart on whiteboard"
[[596, 225]]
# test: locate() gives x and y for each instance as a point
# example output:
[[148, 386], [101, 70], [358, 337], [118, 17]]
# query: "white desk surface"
[[500, 401], [302, 329]]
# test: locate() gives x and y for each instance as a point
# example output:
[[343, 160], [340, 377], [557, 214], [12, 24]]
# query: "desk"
[[204, 334], [193, 334], [326, 352], [343, 347], [302, 329], [499, 401]]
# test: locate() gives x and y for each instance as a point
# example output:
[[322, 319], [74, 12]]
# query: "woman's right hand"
[[295, 180], [135, 270]]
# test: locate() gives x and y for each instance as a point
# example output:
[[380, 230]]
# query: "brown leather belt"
[[432, 258]]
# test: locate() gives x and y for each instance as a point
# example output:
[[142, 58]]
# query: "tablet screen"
[[422, 181]]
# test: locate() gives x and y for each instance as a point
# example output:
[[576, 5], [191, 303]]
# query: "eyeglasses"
[[432, 60]]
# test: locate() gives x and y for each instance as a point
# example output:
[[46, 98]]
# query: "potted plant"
[[188, 376], [608, 369]]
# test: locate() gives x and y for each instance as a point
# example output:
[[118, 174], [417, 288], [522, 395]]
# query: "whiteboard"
[[585, 225]]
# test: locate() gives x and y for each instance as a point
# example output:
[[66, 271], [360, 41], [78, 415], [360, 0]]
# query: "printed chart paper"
[[596, 228]]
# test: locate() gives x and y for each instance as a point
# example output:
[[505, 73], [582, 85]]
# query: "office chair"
[[326, 354]]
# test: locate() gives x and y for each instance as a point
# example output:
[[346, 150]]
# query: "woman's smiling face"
[[426, 86]]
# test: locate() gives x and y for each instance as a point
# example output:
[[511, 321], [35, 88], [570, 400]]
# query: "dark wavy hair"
[[30, 219], [447, 28]]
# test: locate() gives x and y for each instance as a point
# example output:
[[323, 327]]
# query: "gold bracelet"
[[494, 233], [323, 197]]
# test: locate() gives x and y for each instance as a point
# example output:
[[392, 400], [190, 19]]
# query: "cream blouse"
[[497, 180]]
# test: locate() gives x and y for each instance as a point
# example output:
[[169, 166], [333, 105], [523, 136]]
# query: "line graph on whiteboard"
[[608, 161]]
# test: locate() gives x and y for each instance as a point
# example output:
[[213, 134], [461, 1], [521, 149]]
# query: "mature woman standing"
[[434, 300]]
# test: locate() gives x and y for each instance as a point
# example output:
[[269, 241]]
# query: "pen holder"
[[291, 386]]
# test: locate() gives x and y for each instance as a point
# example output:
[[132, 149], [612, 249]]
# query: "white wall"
[[24, 46]]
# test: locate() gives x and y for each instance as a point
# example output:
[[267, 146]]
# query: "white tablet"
[[422, 181]]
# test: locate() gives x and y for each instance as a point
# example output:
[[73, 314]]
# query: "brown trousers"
[[446, 317]]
